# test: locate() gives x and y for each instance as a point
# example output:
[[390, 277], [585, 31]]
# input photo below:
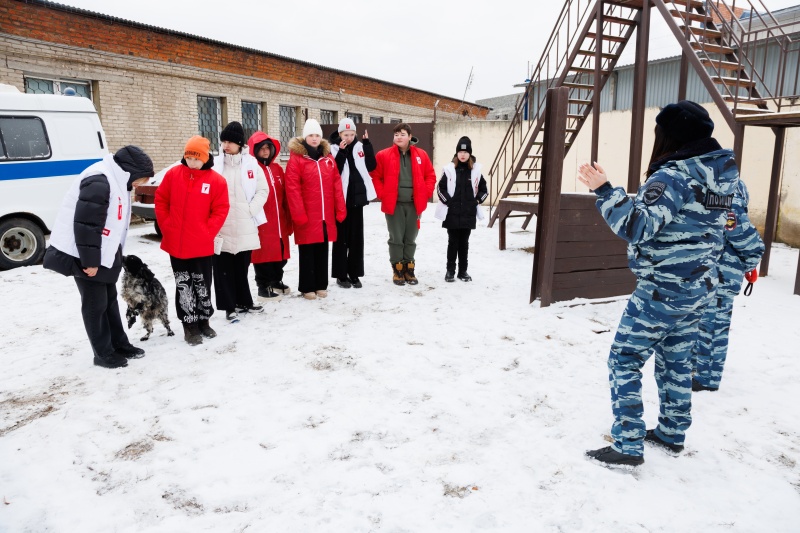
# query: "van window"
[[23, 138]]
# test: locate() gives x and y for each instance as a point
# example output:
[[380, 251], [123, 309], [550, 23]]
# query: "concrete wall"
[[614, 152]]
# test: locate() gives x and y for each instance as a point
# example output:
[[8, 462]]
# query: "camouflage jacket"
[[674, 225], [743, 244]]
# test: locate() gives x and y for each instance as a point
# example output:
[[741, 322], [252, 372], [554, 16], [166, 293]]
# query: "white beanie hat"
[[347, 124], [311, 127]]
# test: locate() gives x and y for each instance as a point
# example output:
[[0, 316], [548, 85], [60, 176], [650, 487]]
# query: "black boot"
[[205, 329], [268, 294], [698, 387], [411, 279], [249, 308], [655, 440], [343, 283], [191, 334], [130, 351], [355, 282], [114, 360], [450, 276], [463, 276], [280, 287], [611, 458], [398, 277]]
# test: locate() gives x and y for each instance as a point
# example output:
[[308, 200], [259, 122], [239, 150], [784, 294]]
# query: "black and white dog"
[[144, 295]]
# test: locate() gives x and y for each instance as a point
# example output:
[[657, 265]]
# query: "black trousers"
[[270, 272], [230, 280], [313, 265], [347, 258], [458, 247], [192, 288], [101, 318]]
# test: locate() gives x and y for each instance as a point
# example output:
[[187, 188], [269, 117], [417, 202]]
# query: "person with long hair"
[[674, 229]]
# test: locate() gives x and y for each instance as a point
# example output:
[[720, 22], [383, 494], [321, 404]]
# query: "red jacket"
[[314, 192], [278, 226], [386, 178], [191, 206]]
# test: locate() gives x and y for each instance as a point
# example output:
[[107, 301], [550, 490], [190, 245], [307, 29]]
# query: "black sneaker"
[[206, 330], [268, 294], [343, 283], [249, 308], [130, 351], [697, 387], [232, 316], [355, 282], [651, 438], [281, 288], [463, 276], [115, 360], [450, 276], [610, 458]]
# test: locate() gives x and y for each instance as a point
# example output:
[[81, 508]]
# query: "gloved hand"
[[751, 276]]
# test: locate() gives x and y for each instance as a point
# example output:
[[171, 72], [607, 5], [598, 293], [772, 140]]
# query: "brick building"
[[155, 87]]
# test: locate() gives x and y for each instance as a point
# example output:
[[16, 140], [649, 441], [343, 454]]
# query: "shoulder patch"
[[716, 201], [653, 192], [731, 224]]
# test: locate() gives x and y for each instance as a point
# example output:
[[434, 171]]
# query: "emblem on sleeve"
[[730, 224], [653, 192]]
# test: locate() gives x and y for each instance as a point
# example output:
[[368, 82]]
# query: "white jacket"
[[118, 217], [247, 196], [361, 165]]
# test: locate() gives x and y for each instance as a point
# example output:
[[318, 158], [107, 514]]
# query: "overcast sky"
[[428, 45]]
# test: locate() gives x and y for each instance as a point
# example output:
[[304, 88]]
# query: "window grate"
[[209, 120], [355, 117], [327, 117], [288, 126], [395, 121], [376, 120], [55, 86], [251, 118]]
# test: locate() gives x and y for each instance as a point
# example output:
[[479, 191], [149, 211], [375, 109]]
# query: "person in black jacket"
[[461, 190], [354, 159], [87, 242]]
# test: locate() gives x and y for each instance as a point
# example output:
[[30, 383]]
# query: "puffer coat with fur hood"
[[314, 193]]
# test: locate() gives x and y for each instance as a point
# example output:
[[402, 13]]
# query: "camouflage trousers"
[[711, 348], [654, 321]]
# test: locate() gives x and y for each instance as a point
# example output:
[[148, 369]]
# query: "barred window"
[[355, 117], [55, 86], [209, 120], [23, 138], [251, 118], [376, 120], [395, 121], [327, 117], [288, 126]]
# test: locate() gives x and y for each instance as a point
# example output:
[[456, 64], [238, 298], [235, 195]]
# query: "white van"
[[46, 141]]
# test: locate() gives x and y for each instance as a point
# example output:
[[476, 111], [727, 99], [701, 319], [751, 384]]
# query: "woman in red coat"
[[191, 207], [314, 192], [269, 260]]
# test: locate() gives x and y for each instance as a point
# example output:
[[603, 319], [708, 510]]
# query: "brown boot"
[[397, 274], [411, 279]]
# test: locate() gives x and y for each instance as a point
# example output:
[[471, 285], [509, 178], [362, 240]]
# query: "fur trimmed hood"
[[296, 146]]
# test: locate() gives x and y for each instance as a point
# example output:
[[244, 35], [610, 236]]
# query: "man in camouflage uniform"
[[743, 251], [674, 229]]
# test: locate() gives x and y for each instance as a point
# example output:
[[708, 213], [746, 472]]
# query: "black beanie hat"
[[233, 132], [464, 144], [685, 122], [134, 161]]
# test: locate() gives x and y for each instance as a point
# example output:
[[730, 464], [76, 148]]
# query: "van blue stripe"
[[43, 169]]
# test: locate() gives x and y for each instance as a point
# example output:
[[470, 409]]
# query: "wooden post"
[[556, 109], [598, 73], [797, 279], [683, 78], [639, 94], [773, 201], [738, 144]]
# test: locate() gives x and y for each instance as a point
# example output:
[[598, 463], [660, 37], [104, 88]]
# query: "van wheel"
[[21, 243], [158, 230]]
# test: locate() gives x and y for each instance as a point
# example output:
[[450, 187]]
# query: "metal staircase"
[[722, 47]]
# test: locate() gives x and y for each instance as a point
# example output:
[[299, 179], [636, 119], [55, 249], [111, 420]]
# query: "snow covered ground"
[[440, 407]]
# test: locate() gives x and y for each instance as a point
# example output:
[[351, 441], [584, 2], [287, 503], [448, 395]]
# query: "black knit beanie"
[[685, 122], [233, 132], [464, 144]]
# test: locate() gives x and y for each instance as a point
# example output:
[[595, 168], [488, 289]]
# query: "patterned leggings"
[[192, 288]]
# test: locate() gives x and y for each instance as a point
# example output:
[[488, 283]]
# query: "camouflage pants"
[[666, 326], [711, 348]]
